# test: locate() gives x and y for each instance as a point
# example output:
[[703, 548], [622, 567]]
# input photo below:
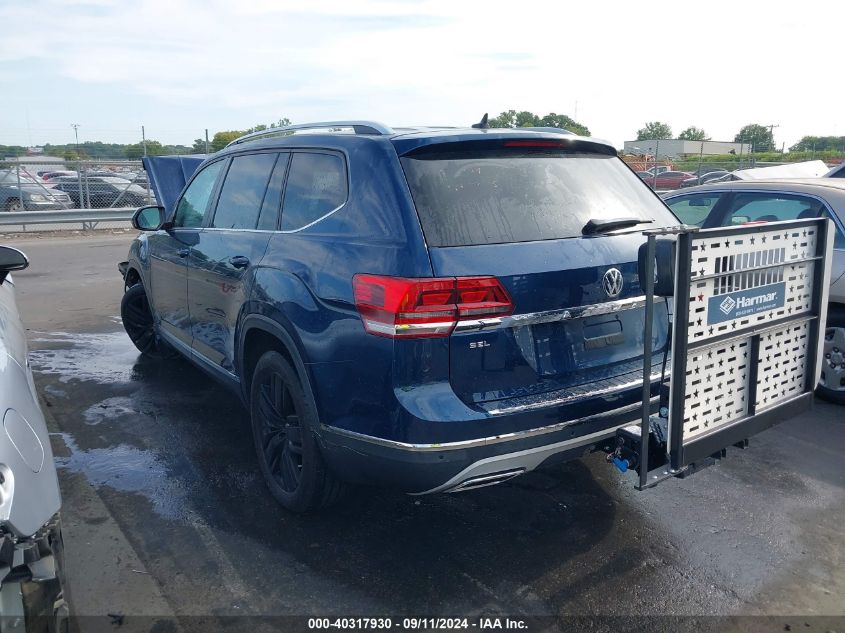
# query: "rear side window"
[[764, 207], [243, 191], [499, 196], [316, 186], [693, 209]]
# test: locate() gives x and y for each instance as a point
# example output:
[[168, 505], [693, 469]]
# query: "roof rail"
[[359, 127]]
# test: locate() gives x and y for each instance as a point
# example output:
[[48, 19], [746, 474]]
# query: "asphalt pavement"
[[166, 513]]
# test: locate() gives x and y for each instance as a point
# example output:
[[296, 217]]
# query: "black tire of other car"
[[14, 204], [138, 323], [832, 385], [283, 423]]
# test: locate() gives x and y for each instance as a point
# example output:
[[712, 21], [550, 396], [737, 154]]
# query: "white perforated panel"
[[716, 387], [782, 366], [735, 290], [724, 259]]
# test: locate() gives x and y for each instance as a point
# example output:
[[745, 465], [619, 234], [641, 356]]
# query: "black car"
[[101, 192]]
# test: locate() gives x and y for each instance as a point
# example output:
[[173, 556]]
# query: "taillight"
[[399, 307]]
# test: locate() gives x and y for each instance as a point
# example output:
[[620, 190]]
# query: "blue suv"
[[430, 309]]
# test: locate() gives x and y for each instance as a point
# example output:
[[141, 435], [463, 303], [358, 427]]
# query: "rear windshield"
[[499, 196]]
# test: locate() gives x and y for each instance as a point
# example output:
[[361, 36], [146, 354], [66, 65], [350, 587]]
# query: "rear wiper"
[[611, 224]]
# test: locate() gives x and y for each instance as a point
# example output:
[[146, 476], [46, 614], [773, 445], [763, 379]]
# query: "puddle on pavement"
[[103, 358], [128, 469], [109, 409], [54, 391]]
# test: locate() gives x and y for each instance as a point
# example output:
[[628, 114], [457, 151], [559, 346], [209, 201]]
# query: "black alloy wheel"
[[284, 419], [281, 433], [138, 319]]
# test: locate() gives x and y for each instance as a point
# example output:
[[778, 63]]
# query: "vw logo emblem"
[[612, 282]]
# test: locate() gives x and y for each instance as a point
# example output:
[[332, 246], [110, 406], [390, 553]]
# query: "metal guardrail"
[[89, 218]]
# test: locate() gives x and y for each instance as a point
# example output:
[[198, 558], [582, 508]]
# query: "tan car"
[[737, 202]]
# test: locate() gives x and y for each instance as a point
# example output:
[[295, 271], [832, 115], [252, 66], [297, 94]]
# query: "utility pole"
[[700, 158], [656, 152], [144, 140], [75, 127], [772, 127], [206, 140]]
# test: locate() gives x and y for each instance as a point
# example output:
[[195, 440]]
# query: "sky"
[[178, 67]]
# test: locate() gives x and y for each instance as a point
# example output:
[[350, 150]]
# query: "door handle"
[[239, 261], [184, 252]]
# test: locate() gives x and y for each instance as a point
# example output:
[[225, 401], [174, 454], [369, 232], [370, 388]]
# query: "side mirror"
[[148, 218], [11, 259]]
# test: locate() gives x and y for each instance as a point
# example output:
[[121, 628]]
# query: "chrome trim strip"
[[194, 355], [552, 316], [631, 384], [403, 329], [482, 481], [485, 441], [526, 460]]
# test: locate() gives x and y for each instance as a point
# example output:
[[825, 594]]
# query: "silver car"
[[738, 202], [31, 595]]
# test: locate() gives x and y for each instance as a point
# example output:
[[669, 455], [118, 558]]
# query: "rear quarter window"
[[316, 186]]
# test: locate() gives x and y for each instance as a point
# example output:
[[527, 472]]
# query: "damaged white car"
[[31, 588]]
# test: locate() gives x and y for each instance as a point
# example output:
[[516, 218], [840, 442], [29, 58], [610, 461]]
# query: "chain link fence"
[[29, 184]]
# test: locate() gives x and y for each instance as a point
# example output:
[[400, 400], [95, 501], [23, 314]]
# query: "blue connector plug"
[[621, 464]]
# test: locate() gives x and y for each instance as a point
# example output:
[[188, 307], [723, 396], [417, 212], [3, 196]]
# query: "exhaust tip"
[[480, 481]]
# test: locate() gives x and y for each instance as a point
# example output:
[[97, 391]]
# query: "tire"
[[832, 383], [139, 324], [14, 204], [283, 423]]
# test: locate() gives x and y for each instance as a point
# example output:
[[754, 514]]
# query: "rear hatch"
[[541, 216]]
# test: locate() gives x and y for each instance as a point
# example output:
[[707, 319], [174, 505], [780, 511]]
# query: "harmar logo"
[[743, 303], [727, 305]]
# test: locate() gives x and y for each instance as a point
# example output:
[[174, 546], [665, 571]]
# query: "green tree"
[[759, 136], [136, 151], [514, 119], [654, 130], [222, 139], [199, 146], [564, 122], [819, 144], [693, 133]]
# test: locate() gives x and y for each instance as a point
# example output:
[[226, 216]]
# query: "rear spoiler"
[[168, 175]]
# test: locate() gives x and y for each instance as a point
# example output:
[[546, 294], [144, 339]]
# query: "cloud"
[[433, 60]]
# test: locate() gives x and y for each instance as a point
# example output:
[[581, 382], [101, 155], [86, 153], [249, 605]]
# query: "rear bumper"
[[453, 466]]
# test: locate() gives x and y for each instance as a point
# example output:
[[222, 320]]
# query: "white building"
[[676, 148]]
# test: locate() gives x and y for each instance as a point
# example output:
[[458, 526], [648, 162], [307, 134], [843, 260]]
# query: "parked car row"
[[66, 190], [20, 192]]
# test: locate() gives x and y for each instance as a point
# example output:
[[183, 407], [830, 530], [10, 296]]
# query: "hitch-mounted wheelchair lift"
[[749, 305]]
